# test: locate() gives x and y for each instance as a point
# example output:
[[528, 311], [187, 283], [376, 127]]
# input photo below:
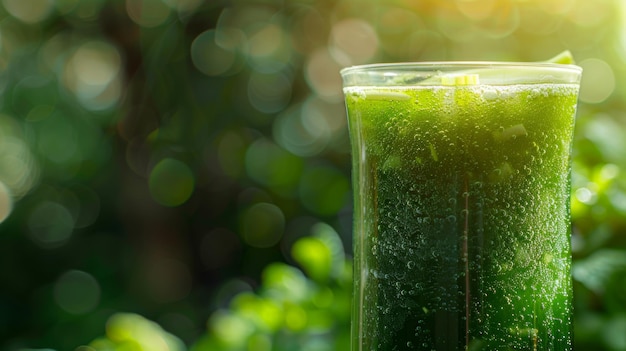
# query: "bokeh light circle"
[[353, 41], [77, 292], [309, 128], [93, 75], [557, 7], [171, 182], [273, 166], [476, 9], [452, 24], [29, 11], [209, 57], [18, 168], [262, 225], [96, 63], [502, 22], [266, 40], [88, 205], [598, 81], [147, 13], [322, 75], [291, 133], [269, 92], [6, 202], [324, 190], [50, 224]]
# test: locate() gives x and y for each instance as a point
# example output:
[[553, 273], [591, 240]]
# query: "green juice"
[[462, 227]]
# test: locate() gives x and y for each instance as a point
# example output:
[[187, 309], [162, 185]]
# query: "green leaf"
[[265, 313], [596, 270], [327, 234], [285, 283], [320, 255], [130, 332], [231, 329], [314, 257]]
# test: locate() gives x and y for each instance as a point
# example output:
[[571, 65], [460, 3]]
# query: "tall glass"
[[461, 178]]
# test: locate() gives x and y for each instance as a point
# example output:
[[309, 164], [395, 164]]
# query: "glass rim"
[[434, 65]]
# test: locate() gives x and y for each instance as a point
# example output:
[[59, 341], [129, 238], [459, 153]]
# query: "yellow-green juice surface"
[[462, 227]]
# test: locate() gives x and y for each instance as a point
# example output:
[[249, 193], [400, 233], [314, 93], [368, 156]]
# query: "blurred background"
[[175, 174]]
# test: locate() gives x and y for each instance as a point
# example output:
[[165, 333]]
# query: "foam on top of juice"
[[488, 92]]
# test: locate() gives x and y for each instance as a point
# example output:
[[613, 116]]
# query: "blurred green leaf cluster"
[[291, 310], [599, 221], [131, 332], [175, 174]]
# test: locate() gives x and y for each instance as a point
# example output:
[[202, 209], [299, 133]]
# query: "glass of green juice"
[[461, 180]]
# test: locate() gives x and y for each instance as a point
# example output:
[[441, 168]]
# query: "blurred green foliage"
[[288, 312], [174, 174]]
